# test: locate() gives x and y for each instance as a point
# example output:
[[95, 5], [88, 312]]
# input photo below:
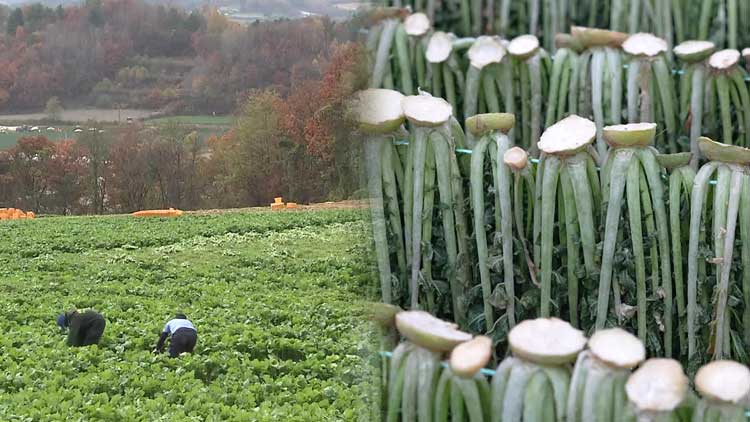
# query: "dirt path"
[[350, 204]]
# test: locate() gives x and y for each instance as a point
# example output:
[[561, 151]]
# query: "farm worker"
[[85, 326], [183, 335]]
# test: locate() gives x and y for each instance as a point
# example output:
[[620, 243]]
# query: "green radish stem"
[[559, 379], [597, 395], [745, 236], [409, 392], [665, 86], [614, 61], [513, 400], [734, 198], [722, 85], [584, 199], [535, 76], [697, 198], [577, 386], [681, 180], [620, 166], [538, 405], [457, 402], [477, 196], [382, 57], [571, 232], [635, 16], [402, 54], [696, 111], [567, 79], [373, 149], [427, 215], [394, 215], [548, 192], [473, 80], [450, 87], [738, 78], [429, 366], [464, 273], [490, 93], [442, 396], [396, 386], [598, 61], [444, 176], [408, 195], [632, 90], [506, 224], [561, 62], [499, 386], [420, 152], [636, 234], [525, 107], [472, 399]]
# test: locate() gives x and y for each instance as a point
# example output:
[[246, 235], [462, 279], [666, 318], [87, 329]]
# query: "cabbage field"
[[275, 298]]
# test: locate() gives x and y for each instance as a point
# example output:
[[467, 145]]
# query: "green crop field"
[[204, 120], [275, 297]]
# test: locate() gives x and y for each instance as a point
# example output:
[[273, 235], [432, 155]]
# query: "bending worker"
[[85, 327], [183, 335]]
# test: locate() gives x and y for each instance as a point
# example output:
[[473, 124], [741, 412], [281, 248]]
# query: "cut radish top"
[[694, 51], [416, 24], [595, 37], [673, 161], [439, 48], [617, 347], [659, 385], [549, 341], [423, 329], [484, 51], [567, 136], [480, 124], [516, 158], [716, 151], [523, 46], [724, 59], [723, 380], [644, 45], [469, 357], [630, 134], [426, 110], [378, 110], [746, 53]]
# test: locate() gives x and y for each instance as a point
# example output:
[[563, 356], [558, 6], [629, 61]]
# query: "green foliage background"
[[275, 298]]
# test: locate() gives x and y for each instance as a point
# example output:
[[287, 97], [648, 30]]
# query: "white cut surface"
[[417, 24], [724, 59], [644, 44], [617, 347], [568, 135], [425, 330], [516, 158], [426, 110], [523, 45], [471, 356], [724, 380], [378, 107], [439, 48], [659, 385], [546, 341], [484, 51], [691, 47]]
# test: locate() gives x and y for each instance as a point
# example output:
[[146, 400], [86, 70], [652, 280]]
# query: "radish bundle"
[[657, 392], [463, 391], [597, 388], [489, 75], [724, 387], [650, 89], [380, 116], [533, 64], [432, 152], [731, 207], [631, 172], [692, 88], [445, 75], [532, 385], [727, 85], [416, 365], [491, 131], [566, 166], [681, 179]]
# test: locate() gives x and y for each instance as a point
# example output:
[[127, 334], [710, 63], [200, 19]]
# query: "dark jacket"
[[86, 328]]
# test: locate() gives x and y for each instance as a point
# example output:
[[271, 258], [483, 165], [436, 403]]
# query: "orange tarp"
[[158, 213], [15, 214]]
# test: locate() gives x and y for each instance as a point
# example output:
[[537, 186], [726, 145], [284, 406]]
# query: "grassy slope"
[[272, 294]]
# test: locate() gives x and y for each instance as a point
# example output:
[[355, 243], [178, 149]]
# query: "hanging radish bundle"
[[523, 188], [432, 142], [532, 385], [680, 186], [446, 78], [724, 387], [416, 365], [566, 166], [533, 64], [692, 88], [657, 392], [491, 131], [731, 207], [487, 75], [586, 78], [380, 116], [597, 388], [650, 89], [462, 391], [631, 172], [727, 84]]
